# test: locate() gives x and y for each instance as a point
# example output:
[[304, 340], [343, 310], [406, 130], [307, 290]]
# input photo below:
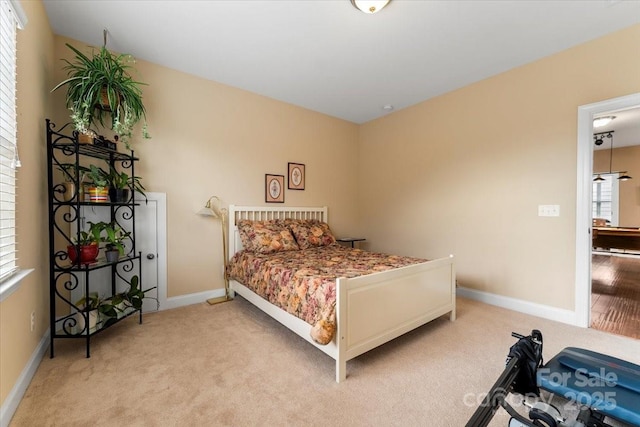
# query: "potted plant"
[[85, 249], [72, 174], [114, 307], [99, 188], [100, 90], [132, 298], [120, 183], [114, 239], [134, 295]]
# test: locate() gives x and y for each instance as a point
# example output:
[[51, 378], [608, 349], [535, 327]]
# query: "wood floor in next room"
[[615, 295]]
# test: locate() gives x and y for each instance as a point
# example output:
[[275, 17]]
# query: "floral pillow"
[[311, 233], [266, 237]]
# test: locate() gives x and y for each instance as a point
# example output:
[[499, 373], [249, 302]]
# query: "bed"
[[370, 310]]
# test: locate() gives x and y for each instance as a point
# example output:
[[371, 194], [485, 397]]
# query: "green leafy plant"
[[97, 176], [89, 302], [119, 303], [107, 307], [121, 180], [134, 295], [93, 235], [101, 90], [114, 236]]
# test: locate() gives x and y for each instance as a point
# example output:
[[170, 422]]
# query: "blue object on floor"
[[605, 383]]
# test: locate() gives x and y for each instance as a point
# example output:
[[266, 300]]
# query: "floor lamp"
[[210, 209]]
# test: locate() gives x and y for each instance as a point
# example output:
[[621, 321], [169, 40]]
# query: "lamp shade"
[[210, 209], [369, 6], [207, 211]]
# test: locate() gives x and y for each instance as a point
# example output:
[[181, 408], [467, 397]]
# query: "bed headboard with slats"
[[263, 213]]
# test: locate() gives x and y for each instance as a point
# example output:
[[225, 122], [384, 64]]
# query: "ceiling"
[[327, 56], [625, 127]]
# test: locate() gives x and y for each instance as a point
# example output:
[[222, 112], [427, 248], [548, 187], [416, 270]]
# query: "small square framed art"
[[274, 188]]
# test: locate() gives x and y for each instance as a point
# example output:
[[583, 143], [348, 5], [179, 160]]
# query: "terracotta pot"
[[88, 253], [98, 194], [85, 138]]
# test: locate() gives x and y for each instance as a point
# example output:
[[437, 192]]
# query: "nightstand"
[[351, 240]]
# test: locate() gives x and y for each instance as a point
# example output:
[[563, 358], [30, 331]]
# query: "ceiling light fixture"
[[369, 6], [598, 139], [602, 121]]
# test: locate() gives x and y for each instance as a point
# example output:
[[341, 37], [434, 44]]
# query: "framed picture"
[[274, 188], [296, 176]]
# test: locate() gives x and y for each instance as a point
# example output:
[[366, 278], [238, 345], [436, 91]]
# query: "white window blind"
[[605, 198], [11, 18]]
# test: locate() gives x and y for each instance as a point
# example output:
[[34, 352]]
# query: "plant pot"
[[119, 195], [85, 138], [112, 256], [93, 316], [88, 253], [69, 191], [104, 100], [98, 194]]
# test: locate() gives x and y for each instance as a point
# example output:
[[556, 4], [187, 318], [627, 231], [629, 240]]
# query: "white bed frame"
[[371, 310]]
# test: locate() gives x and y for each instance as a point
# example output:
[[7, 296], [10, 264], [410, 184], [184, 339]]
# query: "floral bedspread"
[[302, 282]]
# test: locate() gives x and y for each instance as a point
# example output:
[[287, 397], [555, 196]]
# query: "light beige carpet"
[[231, 365]]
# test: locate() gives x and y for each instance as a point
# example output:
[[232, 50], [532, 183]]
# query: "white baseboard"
[[182, 300], [14, 397], [522, 306]]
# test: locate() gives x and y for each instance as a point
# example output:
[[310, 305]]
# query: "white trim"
[[522, 306], [18, 12], [14, 397], [584, 199], [161, 225], [189, 299], [12, 283]]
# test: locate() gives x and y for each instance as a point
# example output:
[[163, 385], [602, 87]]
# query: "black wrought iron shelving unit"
[[67, 319]]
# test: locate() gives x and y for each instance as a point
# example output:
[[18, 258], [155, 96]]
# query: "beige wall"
[[624, 159], [464, 173], [35, 64]]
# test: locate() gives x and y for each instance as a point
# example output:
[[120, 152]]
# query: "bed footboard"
[[377, 308]]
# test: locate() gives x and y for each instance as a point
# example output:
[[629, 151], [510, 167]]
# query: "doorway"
[[584, 230]]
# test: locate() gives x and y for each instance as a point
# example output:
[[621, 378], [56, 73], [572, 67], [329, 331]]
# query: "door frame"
[[584, 201]]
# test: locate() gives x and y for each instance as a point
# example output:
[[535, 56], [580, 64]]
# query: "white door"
[[150, 242], [147, 245]]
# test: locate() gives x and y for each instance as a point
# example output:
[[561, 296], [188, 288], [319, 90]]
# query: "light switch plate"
[[548, 210]]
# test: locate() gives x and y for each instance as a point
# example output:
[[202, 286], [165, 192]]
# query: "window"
[[11, 18], [605, 199]]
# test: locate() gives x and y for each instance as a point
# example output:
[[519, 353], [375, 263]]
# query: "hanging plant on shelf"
[[101, 91]]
